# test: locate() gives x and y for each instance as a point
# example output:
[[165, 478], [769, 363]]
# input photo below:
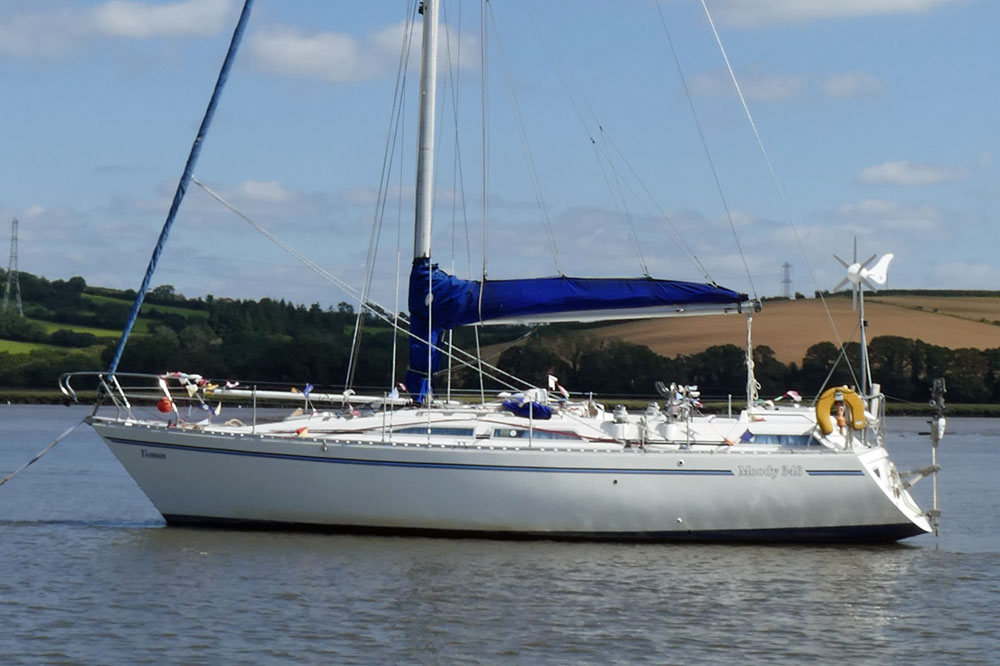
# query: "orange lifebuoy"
[[847, 398]]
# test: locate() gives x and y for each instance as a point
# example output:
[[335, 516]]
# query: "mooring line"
[[42, 452]]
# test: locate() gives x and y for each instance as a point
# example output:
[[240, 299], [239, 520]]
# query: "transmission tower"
[[786, 280], [12, 281]]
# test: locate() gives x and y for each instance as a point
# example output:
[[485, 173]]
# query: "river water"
[[89, 574]]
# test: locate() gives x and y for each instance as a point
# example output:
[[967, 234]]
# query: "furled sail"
[[439, 301]]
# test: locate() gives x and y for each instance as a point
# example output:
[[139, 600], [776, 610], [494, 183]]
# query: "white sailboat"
[[533, 465]]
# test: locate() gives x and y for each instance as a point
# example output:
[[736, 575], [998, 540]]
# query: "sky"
[[877, 119]]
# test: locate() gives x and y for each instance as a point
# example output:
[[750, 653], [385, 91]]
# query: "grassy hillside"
[[52, 326], [148, 308], [17, 347]]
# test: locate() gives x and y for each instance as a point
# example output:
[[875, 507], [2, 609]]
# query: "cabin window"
[[783, 440], [440, 431], [522, 433]]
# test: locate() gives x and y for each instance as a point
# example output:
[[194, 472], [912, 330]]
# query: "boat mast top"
[[425, 146]]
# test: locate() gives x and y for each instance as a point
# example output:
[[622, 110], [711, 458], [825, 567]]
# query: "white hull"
[[740, 492]]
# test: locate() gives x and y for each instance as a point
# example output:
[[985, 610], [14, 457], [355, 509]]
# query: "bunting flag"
[[214, 411], [794, 395], [307, 390], [746, 437]]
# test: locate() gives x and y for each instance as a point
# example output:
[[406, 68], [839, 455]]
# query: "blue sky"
[[878, 116]]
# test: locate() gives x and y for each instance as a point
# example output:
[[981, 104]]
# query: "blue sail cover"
[[456, 302]]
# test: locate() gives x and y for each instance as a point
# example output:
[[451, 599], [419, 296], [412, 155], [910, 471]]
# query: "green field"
[[14, 347], [51, 327], [146, 307]]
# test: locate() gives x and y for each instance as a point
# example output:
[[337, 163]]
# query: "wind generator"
[[859, 275]]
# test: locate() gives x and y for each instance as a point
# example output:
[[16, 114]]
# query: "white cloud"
[[777, 87], [54, 33], [47, 35], [763, 87], [962, 274], [902, 172], [750, 13], [885, 214], [265, 191], [35, 210], [129, 18], [330, 56], [740, 218], [339, 57], [853, 84]]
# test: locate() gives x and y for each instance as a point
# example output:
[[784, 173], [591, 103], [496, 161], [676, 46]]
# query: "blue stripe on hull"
[[426, 465], [854, 534]]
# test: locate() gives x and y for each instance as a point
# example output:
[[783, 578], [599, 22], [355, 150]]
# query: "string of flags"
[[554, 385]]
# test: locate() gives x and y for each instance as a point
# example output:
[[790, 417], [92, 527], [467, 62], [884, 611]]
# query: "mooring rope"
[[41, 453]]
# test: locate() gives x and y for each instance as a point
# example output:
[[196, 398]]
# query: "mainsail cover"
[[439, 302]]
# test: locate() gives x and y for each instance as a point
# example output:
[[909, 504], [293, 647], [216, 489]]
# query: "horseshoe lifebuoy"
[[849, 398]]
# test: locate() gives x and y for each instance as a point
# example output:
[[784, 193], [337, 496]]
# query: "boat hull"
[[201, 478]]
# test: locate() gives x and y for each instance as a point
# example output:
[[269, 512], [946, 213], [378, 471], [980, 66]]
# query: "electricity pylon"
[[12, 282]]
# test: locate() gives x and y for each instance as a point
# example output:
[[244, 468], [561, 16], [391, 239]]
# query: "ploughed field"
[[791, 327]]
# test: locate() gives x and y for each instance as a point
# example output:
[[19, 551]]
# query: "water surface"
[[89, 573]]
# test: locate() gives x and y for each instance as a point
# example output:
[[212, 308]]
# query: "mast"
[[425, 145]]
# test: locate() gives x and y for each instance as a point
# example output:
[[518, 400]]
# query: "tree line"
[[275, 340], [905, 368]]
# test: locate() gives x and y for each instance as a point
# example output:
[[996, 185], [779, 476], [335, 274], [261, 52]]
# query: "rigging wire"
[[630, 227], [484, 95], [774, 177], [490, 371], [484, 92], [401, 130], [566, 77], [704, 143], [526, 146], [671, 230], [458, 175], [378, 217]]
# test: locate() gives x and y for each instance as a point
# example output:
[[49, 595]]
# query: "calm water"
[[88, 573]]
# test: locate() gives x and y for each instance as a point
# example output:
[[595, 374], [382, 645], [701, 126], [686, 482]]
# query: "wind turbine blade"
[[868, 284], [855, 255], [842, 263], [841, 284], [864, 264], [854, 298], [879, 273]]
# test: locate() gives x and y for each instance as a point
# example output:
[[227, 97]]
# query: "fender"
[[851, 399]]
